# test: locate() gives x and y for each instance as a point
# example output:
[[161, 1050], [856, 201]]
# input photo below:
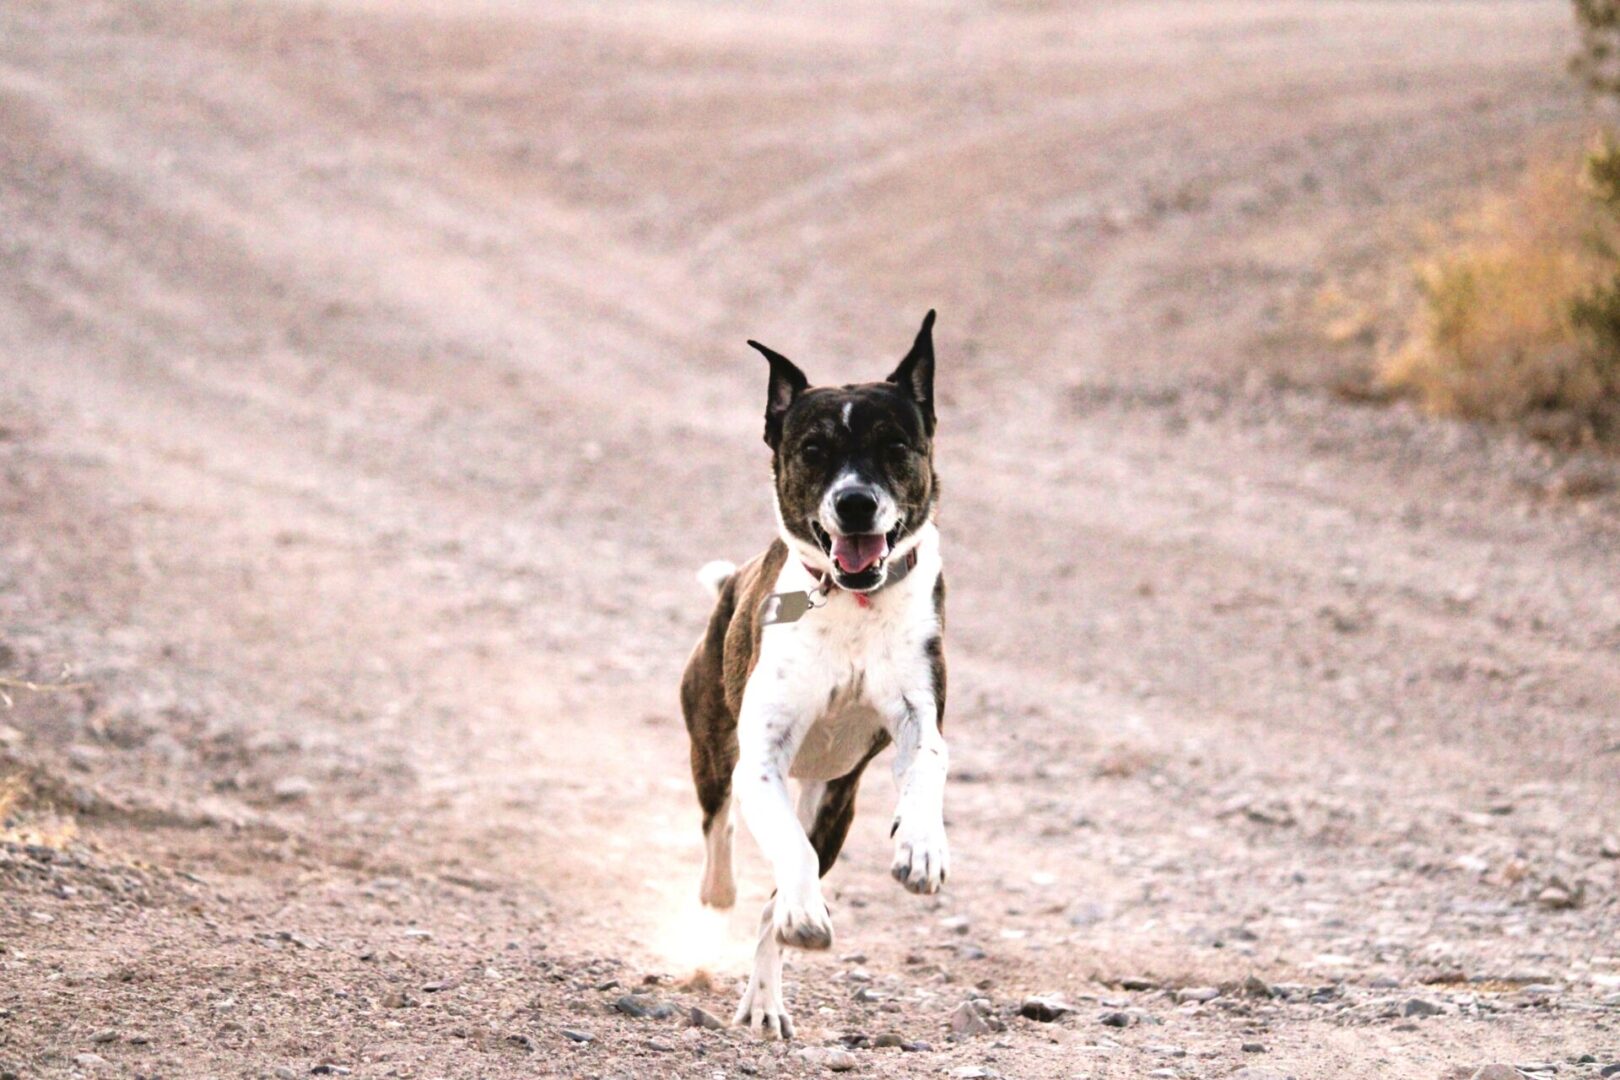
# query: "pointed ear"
[[915, 375], [787, 383]]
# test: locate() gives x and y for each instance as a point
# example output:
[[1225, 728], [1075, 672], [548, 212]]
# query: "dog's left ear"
[[915, 375], [787, 383]]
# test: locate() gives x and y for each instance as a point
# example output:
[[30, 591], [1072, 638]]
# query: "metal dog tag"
[[785, 607]]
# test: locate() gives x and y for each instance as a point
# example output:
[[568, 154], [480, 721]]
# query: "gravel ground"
[[372, 382]]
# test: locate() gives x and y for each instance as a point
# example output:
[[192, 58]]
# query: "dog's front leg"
[[768, 737], [921, 856]]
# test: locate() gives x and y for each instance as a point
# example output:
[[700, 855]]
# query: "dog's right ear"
[[787, 383]]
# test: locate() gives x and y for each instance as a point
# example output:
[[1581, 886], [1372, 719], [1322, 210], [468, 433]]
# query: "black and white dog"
[[821, 651]]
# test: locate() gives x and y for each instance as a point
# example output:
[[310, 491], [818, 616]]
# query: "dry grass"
[[21, 824], [1494, 336]]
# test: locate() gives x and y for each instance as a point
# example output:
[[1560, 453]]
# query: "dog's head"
[[854, 465]]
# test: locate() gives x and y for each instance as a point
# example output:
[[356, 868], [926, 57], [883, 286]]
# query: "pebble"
[[1256, 1073], [292, 788], [703, 1018], [1044, 1008], [1254, 1048], [967, 1021], [835, 1059], [1421, 1007], [89, 1061], [326, 1068], [105, 1036], [1116, 1019], [957, 924], [1610, 1070], [1138, 984], [1609, 848], [642, 1007], [1554, 898], [1198, 993], [285, 1072], [974, 1072], [573, 1035], [660, 1045], [1496, 1071], [889, 1039], [1256, 987], [916, 1047]]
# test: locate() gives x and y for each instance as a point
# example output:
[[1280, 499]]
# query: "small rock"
[[1254, 1048], [1496, 1071], [1256, 987], [1116, 1018], [889, 1039], [956, 924], [1537, 1067], [642, 1007], [520, 1039], [397, 999], [840, 1060], [88, 1060], [835, 1059], [1044, 1008], [967, 1021], [138, 1038], [1256, 1073], [1138, 984], [326, 1068], [1198, 993], [1609, 847], [573, 1035], [1556, 898], [105, 1036], [1421, 1007], [1610, 1070], [660, 1045], [974, 1072], [292, 788], [916, 1047], [285, 1072], [703, 1018]]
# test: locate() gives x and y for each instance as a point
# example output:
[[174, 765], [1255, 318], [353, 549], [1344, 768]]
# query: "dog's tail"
[[714, 575]]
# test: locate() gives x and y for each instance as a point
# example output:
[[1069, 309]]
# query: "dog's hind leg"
[[719, 889], [828, 820], [761, 1007]]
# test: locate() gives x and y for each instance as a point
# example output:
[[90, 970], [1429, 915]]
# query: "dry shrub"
[[1519, 316]]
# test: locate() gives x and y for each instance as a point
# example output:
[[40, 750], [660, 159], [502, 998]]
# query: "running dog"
[[823, 650]]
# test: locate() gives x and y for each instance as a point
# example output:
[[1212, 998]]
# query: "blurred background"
[[372, 382]]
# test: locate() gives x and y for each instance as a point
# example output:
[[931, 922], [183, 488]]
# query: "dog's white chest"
[[837, 741]]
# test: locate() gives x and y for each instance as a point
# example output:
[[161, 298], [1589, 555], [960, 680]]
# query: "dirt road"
[[372, 382]]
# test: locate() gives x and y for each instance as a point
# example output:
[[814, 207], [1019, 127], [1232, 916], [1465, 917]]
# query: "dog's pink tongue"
[[856, 553]]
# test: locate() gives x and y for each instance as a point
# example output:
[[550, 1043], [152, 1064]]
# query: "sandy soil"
[[372, 381]]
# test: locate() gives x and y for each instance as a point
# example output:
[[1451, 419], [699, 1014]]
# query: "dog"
[[822, 651]]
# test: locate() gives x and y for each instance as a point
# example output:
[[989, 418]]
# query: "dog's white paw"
[[804, 924], [922, 859], [761, 1009]]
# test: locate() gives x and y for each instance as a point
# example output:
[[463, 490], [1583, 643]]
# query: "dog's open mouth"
[[858, 558]]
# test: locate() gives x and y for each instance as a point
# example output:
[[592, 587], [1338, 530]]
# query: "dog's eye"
[[895, 448], [813, 452]]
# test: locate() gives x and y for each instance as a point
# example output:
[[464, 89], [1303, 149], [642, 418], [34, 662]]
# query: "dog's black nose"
[[856, 508]]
